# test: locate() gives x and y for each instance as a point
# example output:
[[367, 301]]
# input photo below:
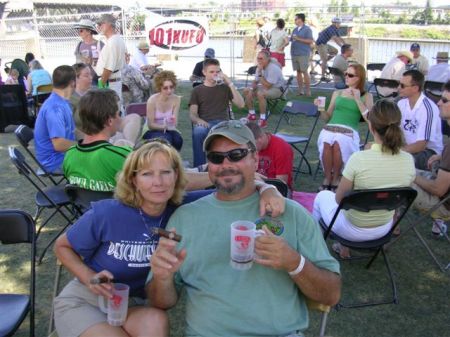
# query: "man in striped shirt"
[[421, 123]]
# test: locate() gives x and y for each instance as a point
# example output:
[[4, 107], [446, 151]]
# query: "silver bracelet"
[[299, 268]]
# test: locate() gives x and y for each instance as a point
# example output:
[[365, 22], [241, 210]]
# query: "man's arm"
[[106, 74], [197, 181], [339, 40], [195, 119], [237, 97], [438, 187], [62, 144], [416, 147]]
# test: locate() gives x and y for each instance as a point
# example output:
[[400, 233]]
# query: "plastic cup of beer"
[[116, 307], [242, 244]]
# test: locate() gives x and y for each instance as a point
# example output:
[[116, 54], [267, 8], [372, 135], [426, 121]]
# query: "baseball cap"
[[336, 20], [414, 46], [109, 18], [234, 130], [210, 53]]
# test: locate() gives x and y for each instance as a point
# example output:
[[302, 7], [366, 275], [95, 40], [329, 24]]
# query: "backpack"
[[264, 38]]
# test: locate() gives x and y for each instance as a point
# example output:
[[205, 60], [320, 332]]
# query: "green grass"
[[423, 289]]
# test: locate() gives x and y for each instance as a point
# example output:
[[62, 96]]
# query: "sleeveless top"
[[346, 113], [160, 116]]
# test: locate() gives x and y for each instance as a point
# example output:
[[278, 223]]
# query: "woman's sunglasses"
[[350, 75], [233, 156]]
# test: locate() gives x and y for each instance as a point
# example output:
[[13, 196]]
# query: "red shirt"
[[276, 159]]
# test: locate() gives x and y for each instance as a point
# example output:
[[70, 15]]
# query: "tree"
[[333, 6], [355, 11], [344, 6]]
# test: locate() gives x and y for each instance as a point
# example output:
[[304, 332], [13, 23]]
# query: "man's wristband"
[[299, 268]]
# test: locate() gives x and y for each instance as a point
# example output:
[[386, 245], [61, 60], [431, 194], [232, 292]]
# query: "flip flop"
[[337, 249], [323, 187], [333, 188]]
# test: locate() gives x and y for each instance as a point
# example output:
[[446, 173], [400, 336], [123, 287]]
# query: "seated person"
[[432, 187], [162, 110], [341, 61], [130, 126], [54, 132], [421, 124], [197, 73], [210, 104], [275, 156], [394, 69], [268, 83], [136, 85], [384, 165], [140, 61], [419, 62], [13, 77], [440, 72], [37, 76], [228, 302], [340, 137]]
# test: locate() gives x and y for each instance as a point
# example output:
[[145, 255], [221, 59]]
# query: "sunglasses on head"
[[350, 75], [233, 156]]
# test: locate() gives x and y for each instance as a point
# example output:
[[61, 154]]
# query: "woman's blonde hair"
[[140, 159]]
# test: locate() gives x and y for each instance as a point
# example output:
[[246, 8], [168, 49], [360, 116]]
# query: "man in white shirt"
[[419, 62], [440, 72], [421, 123], [140, 60], [394, 69], [112, 56]]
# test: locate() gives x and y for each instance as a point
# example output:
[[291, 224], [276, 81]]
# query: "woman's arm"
[[363, 106], [29, 85], [176, 108], [151, 109], [345, 186]]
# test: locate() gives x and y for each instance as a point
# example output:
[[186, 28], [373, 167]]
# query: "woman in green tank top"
[[340, 137]]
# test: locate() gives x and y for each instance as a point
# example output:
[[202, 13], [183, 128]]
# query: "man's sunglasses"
[[444, 100], [350, 75], [233, 156]]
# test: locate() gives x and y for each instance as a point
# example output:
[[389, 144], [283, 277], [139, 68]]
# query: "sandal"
[[337, 248], [439, 228], [323, 187], [333, 188]]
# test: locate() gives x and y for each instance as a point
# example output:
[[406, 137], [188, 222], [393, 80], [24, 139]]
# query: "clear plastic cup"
[[116, 308], [242, 244]]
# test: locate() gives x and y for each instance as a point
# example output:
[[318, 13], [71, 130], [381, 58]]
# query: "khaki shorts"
[[272, 93], [300, 63]]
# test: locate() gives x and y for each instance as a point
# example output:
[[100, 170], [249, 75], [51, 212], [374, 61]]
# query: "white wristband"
[[299, 269], [265, 187]]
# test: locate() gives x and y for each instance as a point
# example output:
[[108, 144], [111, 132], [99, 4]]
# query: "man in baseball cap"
[[440, 72], [197, 74], [418, 62]]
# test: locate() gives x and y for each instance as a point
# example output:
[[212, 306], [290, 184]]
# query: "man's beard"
[[233, 188]]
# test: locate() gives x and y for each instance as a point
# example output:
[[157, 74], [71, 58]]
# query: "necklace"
[[150, 236]]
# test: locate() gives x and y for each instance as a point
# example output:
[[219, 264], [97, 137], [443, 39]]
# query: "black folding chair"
[[13, 106], [47, 197], [386, 83], [293, 110], [390, 199], [249, 72], [25, 135], [281, 186], [81, 198], [272, 103], [17, 227], [433, 90], [339, 75]]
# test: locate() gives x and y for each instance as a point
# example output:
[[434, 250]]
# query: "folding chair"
[[272, 103], [324, 309], [137, 108], [389, 199], [249, 72], [25, 135], [281, 186], [337, 73], [42, 93], [17, 227], [385, 83], [13, 106], [81, 198], [46, 197], [295, 109], [433, 90]]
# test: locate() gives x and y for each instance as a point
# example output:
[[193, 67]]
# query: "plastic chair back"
[[137, 108], [386, 83], [433, 90], [13, 106]]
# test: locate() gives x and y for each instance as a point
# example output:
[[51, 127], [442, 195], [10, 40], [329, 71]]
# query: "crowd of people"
[[81, 132]]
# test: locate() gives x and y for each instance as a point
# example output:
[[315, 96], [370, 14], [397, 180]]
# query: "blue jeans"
[[199, 134], [172, 136]]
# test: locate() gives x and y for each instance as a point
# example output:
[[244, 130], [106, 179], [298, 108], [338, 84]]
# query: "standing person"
[[88, 49], [384, 165], [210, 104], [278, 41], [267, 85], [54, 132], [421, 124], [295, 259], [440, 72], [432, 186], [339, 138], [112, 56], [261, 39], [37, 76], [329, 33], [301, 40], [162, 110], [419, 62]]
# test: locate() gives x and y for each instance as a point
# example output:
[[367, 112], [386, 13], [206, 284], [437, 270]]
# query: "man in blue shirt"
[[54, 130], [301, 39], [331, 32]]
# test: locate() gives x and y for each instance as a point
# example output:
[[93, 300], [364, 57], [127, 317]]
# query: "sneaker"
[[262, 123], [439, 228], [251, 117]]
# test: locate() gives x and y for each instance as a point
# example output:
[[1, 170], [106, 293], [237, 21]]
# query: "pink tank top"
[[160, 116]]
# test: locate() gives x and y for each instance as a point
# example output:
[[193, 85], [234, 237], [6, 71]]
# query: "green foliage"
[[344, 6], [376, 31]]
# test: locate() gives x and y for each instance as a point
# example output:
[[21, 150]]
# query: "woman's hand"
[[271, 201], [356, 94], [99, 287]]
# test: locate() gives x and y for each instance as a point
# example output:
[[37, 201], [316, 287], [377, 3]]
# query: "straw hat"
[[143, 45], [86, 24], [441, 55], [406, 53]]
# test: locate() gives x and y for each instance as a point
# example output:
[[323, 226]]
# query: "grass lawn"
[[423, 289]]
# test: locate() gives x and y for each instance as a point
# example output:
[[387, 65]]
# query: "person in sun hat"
[[440, 72], [88, 49], [140, 60], [419, 62], [394, 69]]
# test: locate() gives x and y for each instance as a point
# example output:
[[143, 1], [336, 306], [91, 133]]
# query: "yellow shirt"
[[372, 169]]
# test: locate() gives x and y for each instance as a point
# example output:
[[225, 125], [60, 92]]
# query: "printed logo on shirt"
[[411, 125], [264, 165], [137, 253]]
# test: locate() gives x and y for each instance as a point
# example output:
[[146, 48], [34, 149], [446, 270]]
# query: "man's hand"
[[203, 123], [273, 251], [432, 159], [166, 260], [226, 79]]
